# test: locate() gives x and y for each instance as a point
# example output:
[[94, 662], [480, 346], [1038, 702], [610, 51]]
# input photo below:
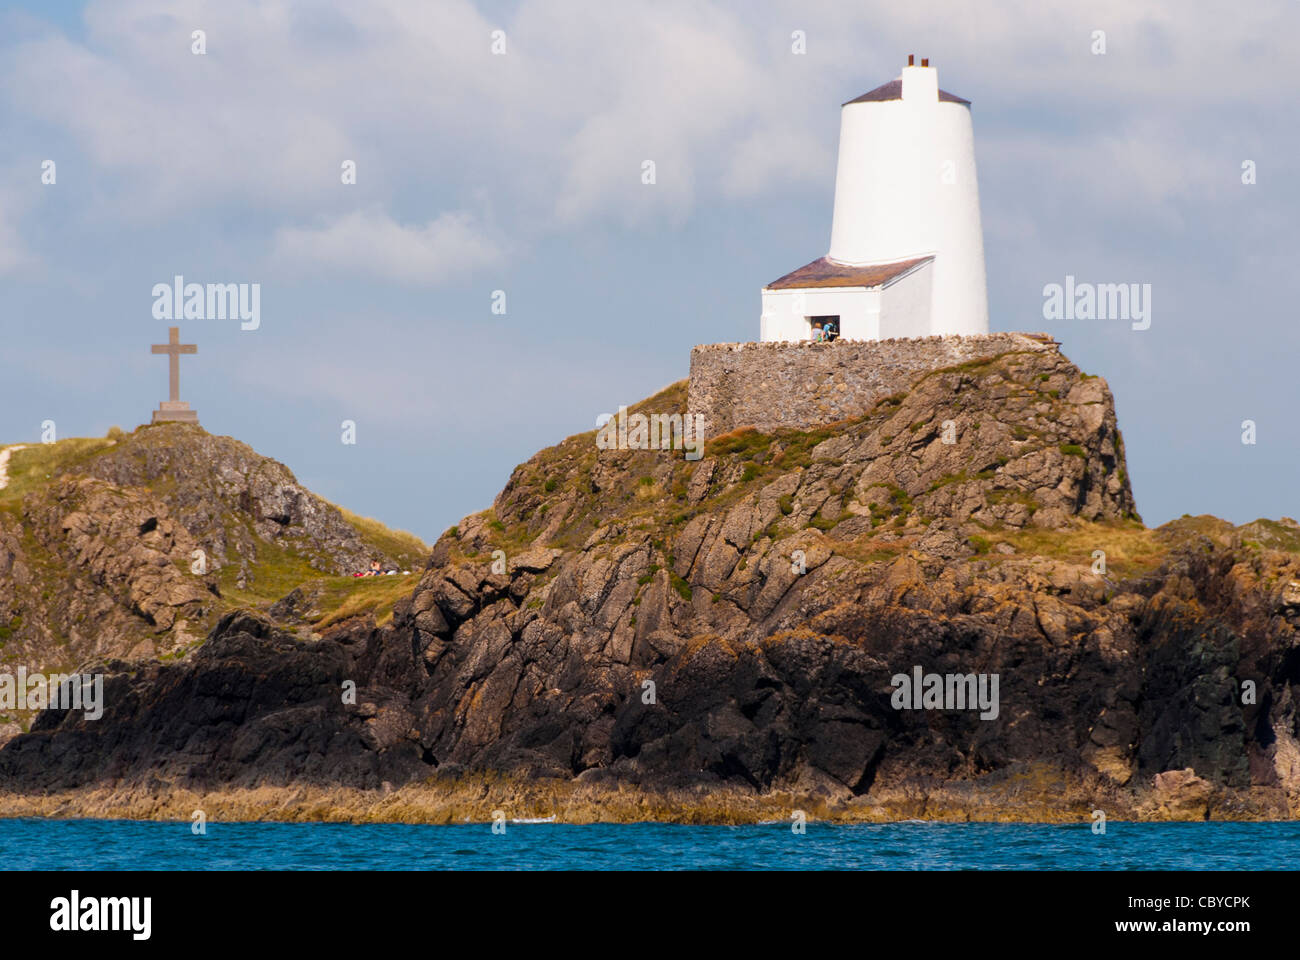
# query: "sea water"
[[36, 844]]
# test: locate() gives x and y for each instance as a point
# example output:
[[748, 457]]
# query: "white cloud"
[[412, 92], [551, 137], [371, 243], [773, 154]]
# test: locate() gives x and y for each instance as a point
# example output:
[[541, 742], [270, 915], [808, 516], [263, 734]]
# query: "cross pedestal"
[[174, 408], [178, 410]]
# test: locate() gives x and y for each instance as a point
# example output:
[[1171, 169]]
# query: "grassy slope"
[[278, 569]]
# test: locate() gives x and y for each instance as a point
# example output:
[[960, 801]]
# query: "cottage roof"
[[825, 272]]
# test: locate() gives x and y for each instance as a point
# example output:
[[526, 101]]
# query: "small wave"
[[550, 819]]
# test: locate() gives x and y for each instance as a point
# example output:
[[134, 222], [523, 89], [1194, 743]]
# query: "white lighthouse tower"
[[907, 251]]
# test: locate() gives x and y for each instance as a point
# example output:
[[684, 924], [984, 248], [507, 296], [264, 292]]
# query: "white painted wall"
[[905, 304], [786, 312], [892, 201]]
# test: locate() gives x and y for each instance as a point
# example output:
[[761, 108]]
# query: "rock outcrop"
[[130, 547], [206, 480], [634, 620]]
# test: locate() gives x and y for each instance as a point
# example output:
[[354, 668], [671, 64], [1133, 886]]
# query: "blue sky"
[[522, 173]]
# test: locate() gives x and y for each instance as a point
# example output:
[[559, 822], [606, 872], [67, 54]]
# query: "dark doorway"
[[825, 328]]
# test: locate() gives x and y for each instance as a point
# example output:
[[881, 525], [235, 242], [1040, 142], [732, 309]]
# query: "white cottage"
[[907, 250]]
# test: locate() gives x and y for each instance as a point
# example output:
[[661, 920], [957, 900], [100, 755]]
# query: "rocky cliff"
[[135, 545], [630, 623]]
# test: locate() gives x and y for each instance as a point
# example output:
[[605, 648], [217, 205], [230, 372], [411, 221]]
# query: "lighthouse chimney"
[[905, 187]]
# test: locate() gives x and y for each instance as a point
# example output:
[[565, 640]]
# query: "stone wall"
[[803, 384]]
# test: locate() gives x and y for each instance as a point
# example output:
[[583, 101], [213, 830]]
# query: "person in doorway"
[[829, 333]]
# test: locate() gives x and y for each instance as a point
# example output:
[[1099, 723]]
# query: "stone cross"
[[174, 408]]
